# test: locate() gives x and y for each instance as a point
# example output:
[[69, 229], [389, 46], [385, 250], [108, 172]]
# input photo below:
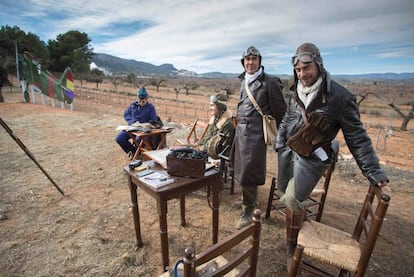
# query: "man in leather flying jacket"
[[317, 110]]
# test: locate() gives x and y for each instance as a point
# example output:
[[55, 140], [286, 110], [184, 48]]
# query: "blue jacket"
[[136, 113]]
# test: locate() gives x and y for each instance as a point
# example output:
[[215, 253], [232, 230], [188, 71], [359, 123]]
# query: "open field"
[[89, 231]]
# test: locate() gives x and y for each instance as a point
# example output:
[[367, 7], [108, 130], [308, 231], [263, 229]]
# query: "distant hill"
[[377, 77], [119, 66]]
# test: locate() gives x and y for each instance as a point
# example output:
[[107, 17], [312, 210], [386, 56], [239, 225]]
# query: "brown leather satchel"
[[310, 135]]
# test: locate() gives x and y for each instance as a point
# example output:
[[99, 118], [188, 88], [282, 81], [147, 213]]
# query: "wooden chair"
[[197, 132], [316, 202], [225, 258], [224, 156], [226, 176], [350, 253]]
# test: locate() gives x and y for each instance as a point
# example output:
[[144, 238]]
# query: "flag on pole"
[[43, 80]]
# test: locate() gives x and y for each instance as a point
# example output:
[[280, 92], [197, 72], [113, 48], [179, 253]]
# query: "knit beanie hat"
[[142, 93]]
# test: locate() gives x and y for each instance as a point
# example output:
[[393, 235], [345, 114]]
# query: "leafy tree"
[[70, 50], [10, 37], [3, 78], [132, 79]]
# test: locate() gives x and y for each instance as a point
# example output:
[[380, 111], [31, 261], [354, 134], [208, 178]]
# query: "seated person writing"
[[140, 111], [219, 123]]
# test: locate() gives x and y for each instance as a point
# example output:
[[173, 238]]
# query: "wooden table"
[[181, 187], [145, 143]]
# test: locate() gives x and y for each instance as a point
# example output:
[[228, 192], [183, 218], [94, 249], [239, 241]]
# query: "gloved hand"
[[313, 132], [299, 144], [310, 135]]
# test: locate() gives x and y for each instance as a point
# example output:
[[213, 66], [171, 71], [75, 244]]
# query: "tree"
[[229, 87], [406, 117], [10, 37], [70, 50], [133, 79], [116, 81], [190, 85], [156, 82], [96, 76], [363, 96], [177, 92], [3, 81]]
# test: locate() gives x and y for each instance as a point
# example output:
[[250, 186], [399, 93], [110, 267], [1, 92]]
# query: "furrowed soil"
[[89, 231]]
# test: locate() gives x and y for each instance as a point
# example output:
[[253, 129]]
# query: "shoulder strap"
[[256, 106], [302, 110]]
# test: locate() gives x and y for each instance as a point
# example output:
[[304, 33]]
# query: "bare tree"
[[156, 82], [229, 87], [177, 91], [116, 81], [406, 117], [96, 76], [190, 85], [363, 96]]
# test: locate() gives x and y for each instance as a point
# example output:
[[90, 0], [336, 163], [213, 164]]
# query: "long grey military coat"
[[249, 149]]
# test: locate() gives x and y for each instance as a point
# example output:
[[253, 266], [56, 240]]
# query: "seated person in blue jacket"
[[138, 111]]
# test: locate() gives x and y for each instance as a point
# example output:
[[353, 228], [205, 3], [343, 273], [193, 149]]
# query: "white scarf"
[[307, 94], [251, 77]]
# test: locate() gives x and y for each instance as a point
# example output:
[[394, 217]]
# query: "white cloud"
[[211, 35]]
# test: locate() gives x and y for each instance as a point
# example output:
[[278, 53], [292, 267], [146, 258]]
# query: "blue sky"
[[354, 36]]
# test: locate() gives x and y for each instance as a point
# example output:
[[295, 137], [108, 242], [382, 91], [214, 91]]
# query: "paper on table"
[[133, 127], [157, 179], [159, 156]]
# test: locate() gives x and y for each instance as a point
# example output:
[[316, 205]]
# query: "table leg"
[[182, 209], [162, 214], [162, 140], [216, 188], [139, 150], [135, 211]]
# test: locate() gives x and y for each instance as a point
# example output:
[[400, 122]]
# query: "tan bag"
[[269, 122], [269, 129]]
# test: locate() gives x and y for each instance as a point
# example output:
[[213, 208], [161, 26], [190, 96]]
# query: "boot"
[[294, 221], [249, 198]]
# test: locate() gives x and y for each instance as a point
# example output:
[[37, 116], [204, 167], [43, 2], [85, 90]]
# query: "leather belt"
[[245, 119]]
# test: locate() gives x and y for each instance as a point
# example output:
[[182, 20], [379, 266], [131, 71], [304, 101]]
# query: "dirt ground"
[[89, 231]]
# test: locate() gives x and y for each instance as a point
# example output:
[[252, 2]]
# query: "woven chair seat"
[[329, 245]]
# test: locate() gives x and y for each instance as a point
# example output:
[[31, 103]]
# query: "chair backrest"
[[369, 224], [246, 259], [327, 179], [334, 247], [197, 131]]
